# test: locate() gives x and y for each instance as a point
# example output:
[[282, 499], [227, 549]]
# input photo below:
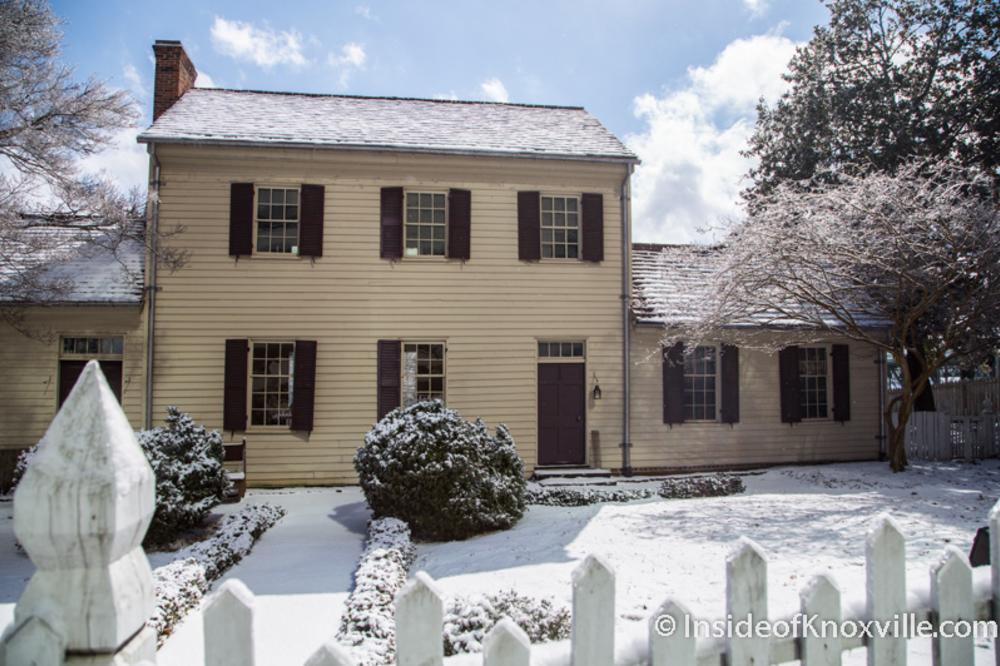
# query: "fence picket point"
[[331, 653], [885, 574], [672, 642], [951, 599], [34, 642], [746, 600], [821, 598], [592, 637], [506, 645], [229, 626], [419, 623]]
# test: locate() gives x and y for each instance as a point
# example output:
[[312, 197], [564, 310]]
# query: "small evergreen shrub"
[[467, 621], [716, 485], [190, 479], [446, 477]]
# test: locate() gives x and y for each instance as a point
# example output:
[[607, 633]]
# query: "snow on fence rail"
[[939, 436], [86, 500]]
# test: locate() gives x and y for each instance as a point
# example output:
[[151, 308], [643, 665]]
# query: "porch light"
[[596, 393]]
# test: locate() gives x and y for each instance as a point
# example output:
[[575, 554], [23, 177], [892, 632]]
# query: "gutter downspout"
[[882, 397], [152, 287], [626, 296]]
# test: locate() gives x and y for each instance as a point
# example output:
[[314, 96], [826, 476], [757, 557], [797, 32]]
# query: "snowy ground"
[[808, 520]]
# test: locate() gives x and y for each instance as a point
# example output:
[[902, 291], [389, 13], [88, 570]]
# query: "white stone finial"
[[81, 511]]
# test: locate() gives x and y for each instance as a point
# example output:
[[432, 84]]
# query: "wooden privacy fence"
[[938, 436], [86, 500]]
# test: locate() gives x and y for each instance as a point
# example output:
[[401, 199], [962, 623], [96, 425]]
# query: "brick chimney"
[[175, 74]]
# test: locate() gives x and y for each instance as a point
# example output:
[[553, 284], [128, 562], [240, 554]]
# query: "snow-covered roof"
[[670, 281], [671, 285], [208, 115], [90, 263]]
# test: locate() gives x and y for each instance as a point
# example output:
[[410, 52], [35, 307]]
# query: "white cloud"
[[692, 171], [134, 80], [261, 46], [365, 12], [124, 161], [351, 58], [757, 7], [451, 95], [204, 81], [494, 90]]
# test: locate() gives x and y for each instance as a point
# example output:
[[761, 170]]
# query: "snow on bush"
[[467, 621], [181, 584], [448, 478], [368, 623], [716, 485], [580, 497], [190, 478]]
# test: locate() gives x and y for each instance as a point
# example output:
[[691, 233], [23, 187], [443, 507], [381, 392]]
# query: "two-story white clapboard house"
[[352, 254]]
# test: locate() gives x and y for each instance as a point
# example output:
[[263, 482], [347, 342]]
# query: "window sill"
[[276, 256], [269, 430]]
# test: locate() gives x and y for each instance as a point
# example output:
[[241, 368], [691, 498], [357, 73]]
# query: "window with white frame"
[[423, 372], [426, 221], [560, 350], [560, 227], [277, 219], [813, 382], [271, 385], [701, 384], [110, 346]]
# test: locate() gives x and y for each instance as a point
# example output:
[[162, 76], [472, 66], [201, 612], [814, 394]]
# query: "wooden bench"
[[235, 462]]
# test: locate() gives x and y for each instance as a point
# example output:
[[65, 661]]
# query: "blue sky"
[[676, 79]]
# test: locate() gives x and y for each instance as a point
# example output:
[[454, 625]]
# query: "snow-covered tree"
[[882, 259], [885, 82], [49, 121]]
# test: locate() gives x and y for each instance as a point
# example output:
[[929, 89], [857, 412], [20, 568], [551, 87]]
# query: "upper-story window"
[[277, 219], [560, 227], [813, 384], [426, 221], [700, 384]]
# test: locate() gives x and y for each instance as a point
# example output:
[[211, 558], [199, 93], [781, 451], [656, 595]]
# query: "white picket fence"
[[939, 436], [85, 502]]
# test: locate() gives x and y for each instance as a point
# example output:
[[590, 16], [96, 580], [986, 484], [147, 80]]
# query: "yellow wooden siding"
[[30, 388], [490, 310], [760, 437]]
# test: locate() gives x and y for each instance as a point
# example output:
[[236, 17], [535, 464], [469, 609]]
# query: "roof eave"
[[619, 159]]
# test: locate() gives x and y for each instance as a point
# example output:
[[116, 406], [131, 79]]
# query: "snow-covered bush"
[[369, 612], [190, 478], [448, 478], [467, 621], [180, 585], [702, 486], [559, 496]]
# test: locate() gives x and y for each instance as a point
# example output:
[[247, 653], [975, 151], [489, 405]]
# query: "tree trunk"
[[923, 400]]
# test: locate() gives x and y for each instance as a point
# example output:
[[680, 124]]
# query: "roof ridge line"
[[390, 98]]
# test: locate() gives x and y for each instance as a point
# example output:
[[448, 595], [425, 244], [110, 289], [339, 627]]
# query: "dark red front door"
[[560, 414]]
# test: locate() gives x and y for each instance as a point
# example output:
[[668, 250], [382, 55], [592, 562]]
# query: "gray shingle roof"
[[671, 284], [339, 121], [91, 266], [670, 281]]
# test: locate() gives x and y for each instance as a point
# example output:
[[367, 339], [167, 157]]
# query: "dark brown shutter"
[[788, 372], [389, 356], [459, 223], [529, 220], [730, 389], [392, 223], [304, 385], [841, 383], [311, 221], [673, 384], [234, 399], [592, 227], [240, 219]]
